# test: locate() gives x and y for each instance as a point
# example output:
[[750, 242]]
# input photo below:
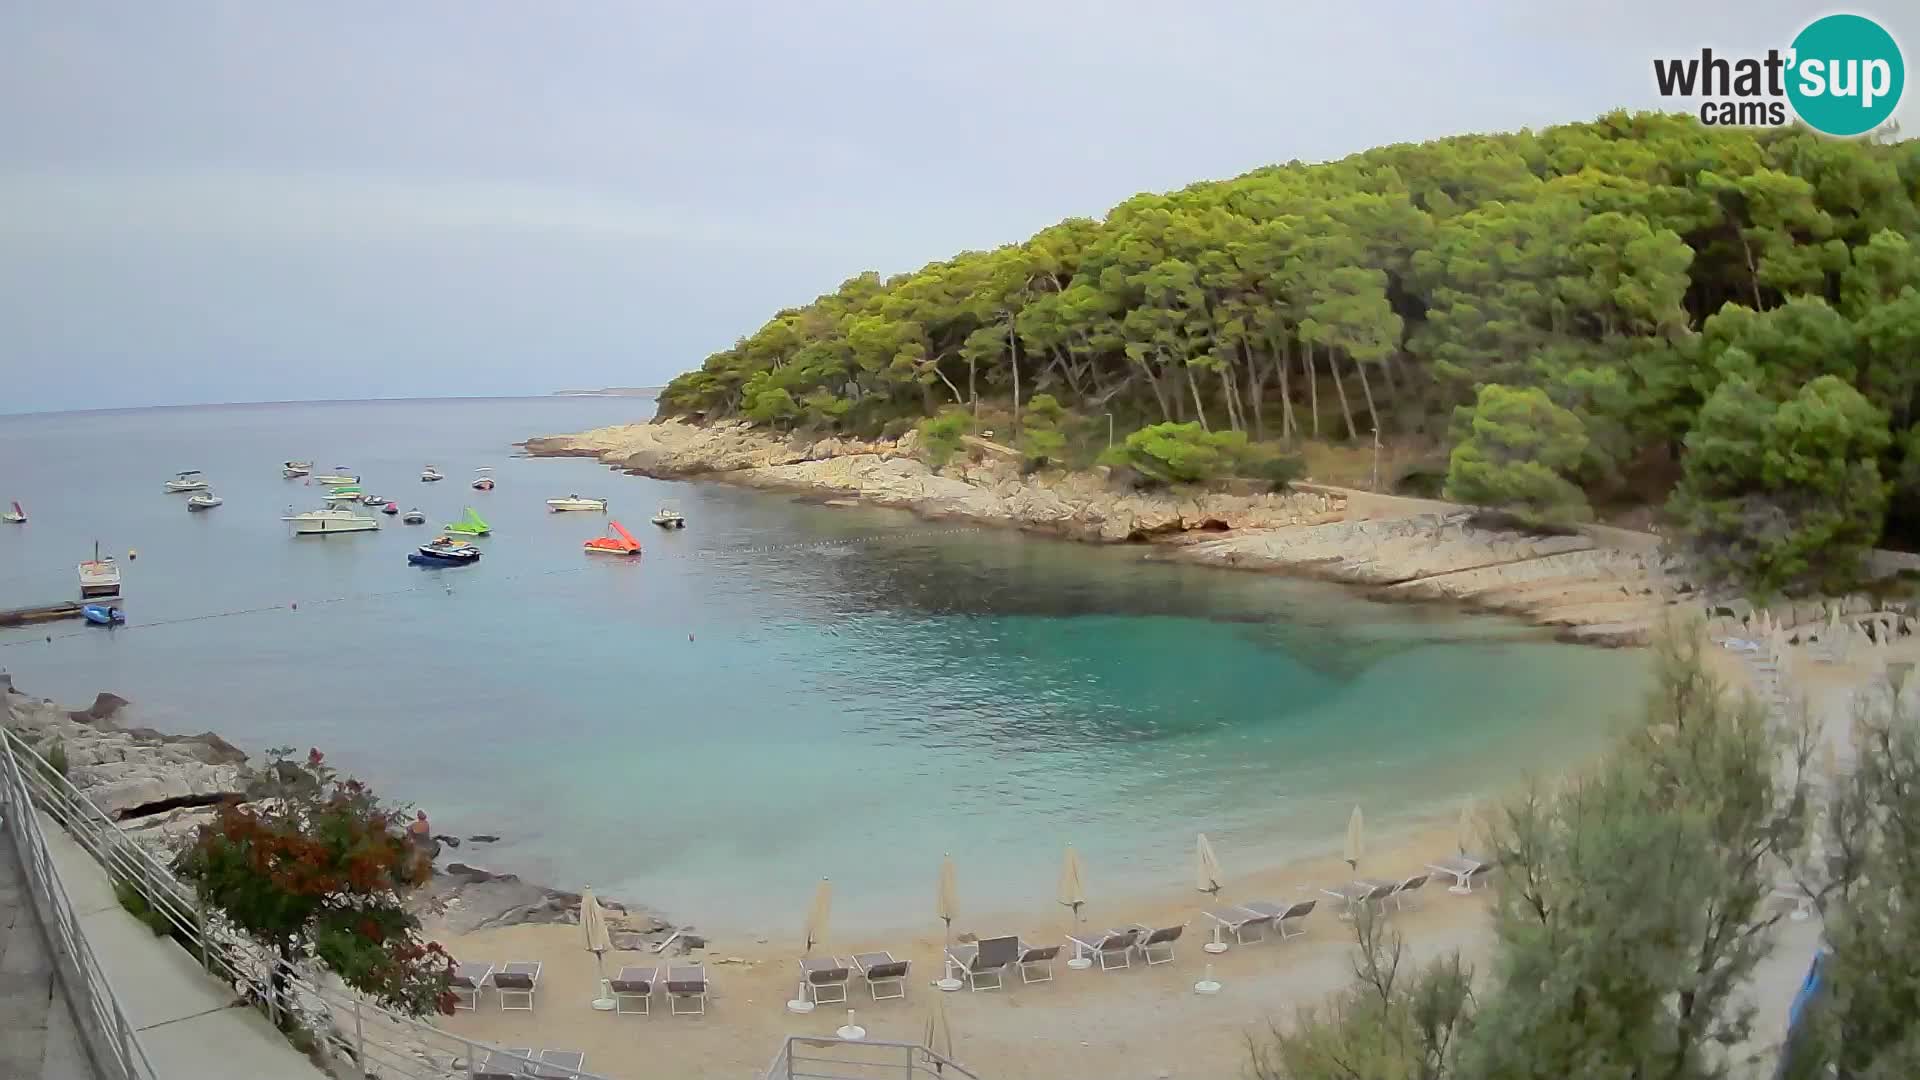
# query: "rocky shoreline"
[[1600, 587], [159, 788]]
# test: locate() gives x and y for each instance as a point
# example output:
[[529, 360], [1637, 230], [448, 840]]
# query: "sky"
[[234, 201]]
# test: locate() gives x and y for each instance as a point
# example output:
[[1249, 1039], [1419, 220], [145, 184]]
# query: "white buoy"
[[851, 1030], [1207, 984]]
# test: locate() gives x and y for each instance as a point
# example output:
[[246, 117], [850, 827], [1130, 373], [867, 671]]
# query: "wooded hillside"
[[1640, 308]]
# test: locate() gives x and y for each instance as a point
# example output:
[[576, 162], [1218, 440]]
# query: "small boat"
[[575, 502], [330, 520], [390, 509], [374, 500], [345, 495], [99, 576], [339, 475], [430, 475], [618, 541], [103, 614], [15, 516], [205, 500], [190, 480], [669, 518], [444, 551], [470, 525], [415, 517], [292, 469], [484, 480]]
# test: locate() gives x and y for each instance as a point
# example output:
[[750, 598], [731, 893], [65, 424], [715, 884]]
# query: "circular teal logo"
[[1847, 75]]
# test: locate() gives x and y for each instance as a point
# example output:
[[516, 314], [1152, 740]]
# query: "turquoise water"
[[780, 692]]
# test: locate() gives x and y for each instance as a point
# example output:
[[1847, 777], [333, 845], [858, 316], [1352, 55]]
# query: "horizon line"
[[551, 395]]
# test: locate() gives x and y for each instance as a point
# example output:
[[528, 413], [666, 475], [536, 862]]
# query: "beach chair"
[[634, 985], [1468, 873], [1239, 922], [984, 963], [1396, 890], [510, 1063], [468, 981], [823, 979], [1358, 894], [1796, 894], [882, 972], [1279, 915], [1031, 958], [1161, 938], [516, 982], [1109, 946], [687, 984], [559, 1065]]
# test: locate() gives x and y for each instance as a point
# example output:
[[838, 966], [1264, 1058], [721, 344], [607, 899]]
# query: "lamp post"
[[1109, 417]]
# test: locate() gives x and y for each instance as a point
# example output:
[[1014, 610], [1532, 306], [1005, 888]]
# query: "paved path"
[[37, 1036]]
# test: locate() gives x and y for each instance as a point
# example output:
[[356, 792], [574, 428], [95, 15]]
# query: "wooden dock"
[[21, 616]]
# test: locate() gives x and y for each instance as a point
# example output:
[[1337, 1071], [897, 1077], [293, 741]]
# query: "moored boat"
[[575, 502], [618, 541], [483, 480], [15, 516], [430, 475], [103, 614], [188, 480], [99, 576], [205, 500], [444, 551], [339, 475], [329, 521], [669, 518], [390, 509], [374, 500], [470, 525], [415, 517], [291, 469]]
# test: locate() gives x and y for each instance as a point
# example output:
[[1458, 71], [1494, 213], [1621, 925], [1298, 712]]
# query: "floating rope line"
[[294, 605]]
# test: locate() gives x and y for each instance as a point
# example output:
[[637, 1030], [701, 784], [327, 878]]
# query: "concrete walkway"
[[189, 1021], [38, 1040]]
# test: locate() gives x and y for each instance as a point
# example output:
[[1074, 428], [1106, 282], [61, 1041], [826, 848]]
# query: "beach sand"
[[1140, 1022]]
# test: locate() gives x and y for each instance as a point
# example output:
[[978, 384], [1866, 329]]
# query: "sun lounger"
[[1358, 895], [1396, 890], [468, 981], [634, 985], [1467, 872], [1032, 958], [824, 979], [1280, 915], [560, 1065], [687, 984], [505, 1064], [984, 963], [882, 972], [516, 982], [1109, 946], [1239, 922], [1796, 894], [1161, 938]]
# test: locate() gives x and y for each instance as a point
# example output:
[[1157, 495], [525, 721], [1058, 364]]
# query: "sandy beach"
[[1141, 1022]]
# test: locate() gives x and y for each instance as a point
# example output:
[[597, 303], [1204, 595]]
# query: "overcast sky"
[[242, 201]]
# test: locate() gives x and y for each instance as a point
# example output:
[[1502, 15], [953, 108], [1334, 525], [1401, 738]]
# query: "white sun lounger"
[[687, 984], [1109, 946], [824, 979], [516, 982], [1279, 915], [508, 1063], [1036, 958], [1358, 894], [1239, 922], [1467, 872], [634, 985], [1161, 938], [881, 972], [468, 982], [984, 963], [559, 1065], [1396, 890]]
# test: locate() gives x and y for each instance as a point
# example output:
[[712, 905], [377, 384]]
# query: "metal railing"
[[342, 1024], [808, 1057], [111, 1042]]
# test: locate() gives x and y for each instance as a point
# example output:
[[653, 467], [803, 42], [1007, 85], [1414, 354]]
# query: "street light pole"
[[1109, 417]]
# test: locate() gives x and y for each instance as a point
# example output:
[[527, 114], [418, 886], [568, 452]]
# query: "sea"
[[781, 692]]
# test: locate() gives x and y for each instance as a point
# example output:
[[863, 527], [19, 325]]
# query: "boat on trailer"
[[618, 541]]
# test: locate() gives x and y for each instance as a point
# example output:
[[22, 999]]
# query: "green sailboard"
[[471, 525]]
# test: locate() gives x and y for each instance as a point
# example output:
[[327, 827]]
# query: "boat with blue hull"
[[444, 551], [103, 614]]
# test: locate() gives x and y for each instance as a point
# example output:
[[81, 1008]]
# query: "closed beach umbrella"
[[1356, 839], [946, 897], [939, 1031], [1464, 831], [1206, 868], [593, 927], [818, 913], [1073, 892]]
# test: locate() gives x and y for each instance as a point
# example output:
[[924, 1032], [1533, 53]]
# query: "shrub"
[[940, 435], [137, 906], [1180, 453]]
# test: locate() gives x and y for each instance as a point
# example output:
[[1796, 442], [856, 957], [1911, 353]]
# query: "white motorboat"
[[330, 520], [575, 502], [430, 474], [415, 517], [190, 480], [292, 469], [99, 576], [348, 495], [669, 518], [339, 475], [205, 500], [483, 480], [374, 500]]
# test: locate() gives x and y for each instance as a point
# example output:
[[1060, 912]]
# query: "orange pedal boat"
[[618, 541]]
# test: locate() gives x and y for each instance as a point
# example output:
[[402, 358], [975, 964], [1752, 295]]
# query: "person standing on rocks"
[[420, 836]]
